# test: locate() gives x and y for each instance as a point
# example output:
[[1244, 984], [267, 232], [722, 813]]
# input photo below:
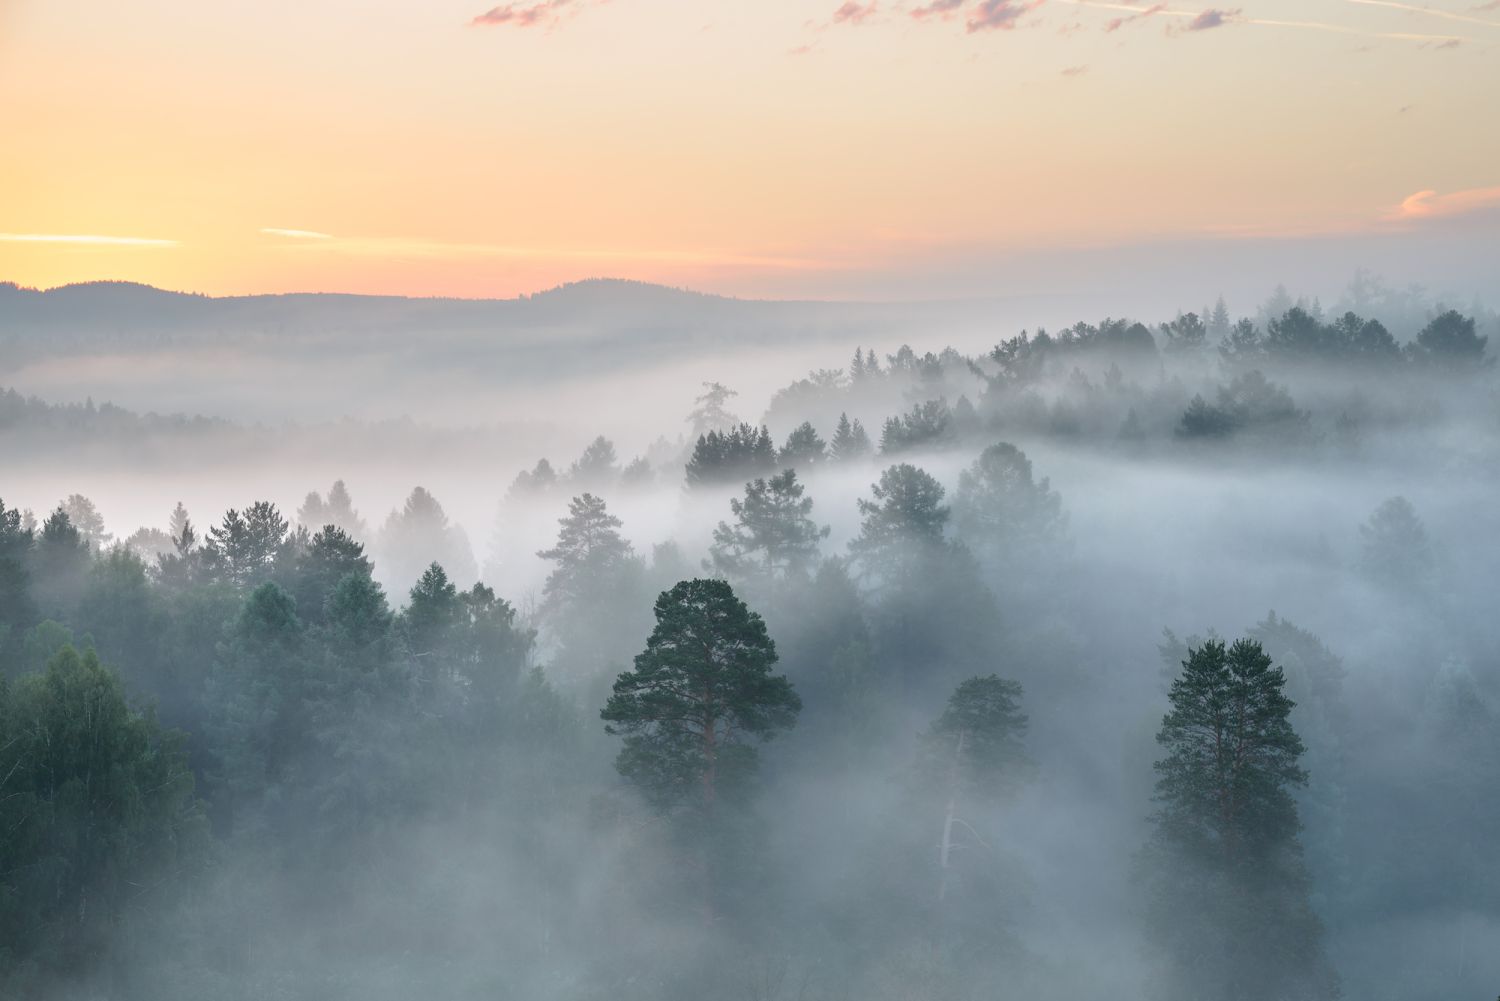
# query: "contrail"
[[1340, 29], [85, 239], [1446, 15]]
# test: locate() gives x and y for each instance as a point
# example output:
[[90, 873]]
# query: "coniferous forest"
[[1126, 660]]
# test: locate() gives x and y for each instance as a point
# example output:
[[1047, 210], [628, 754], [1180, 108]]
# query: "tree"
[[1394, 550], [1450, 343], [16, 607], [850, 441], [925, 426], [85, 517], [591, 593], [244, 549], [96, 809], [60, 559], [709, 412], [803, 447], [420, 534], [973, 750], [1186, 334], [1000, 508], [596, 468], [1218, 323], [176, 569], [731, 456], [772, 537], [1228, 889], [539, 481], [903, 520], [700, 697], [330, 556], [337, 510], [259, 713], [589, 550], [1244, 345]]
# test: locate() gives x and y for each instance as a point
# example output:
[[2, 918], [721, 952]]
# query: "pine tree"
[[1394, 549], [973, 753], [904, 521], [591, 596], [701, 695], [245, 548], [772, 537], [1000, 508], [1228, 889], [597, 468], [709, 411], [589, 550]]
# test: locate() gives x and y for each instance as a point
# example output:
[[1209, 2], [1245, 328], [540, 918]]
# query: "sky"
[[782, 148]]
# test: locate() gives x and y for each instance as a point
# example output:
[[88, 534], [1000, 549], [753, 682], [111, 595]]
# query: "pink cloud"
[[853, 13], [999, 14], [1211, 19], [1430, 204], [937, 7], [520, 15]]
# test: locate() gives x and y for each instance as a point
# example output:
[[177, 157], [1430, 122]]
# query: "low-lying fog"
[[518, 891]]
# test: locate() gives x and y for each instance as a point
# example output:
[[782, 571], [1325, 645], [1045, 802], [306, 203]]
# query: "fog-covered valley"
[[409, 572]]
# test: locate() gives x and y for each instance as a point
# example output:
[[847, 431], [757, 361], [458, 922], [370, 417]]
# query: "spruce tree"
[[1228, 892]]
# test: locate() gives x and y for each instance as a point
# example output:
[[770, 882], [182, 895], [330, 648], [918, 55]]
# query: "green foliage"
[[773, 537], [975, 746], [850, 441], [733, 456], [700, 692], [596, 579], [96, 807], [246, 549], [1250, 405], [1227, 887], [1000, 510], [904, 519], [1451, 343], [927, 425], [804, 448]]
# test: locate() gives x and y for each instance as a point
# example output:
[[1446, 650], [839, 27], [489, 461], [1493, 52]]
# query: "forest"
[[1121, 660]]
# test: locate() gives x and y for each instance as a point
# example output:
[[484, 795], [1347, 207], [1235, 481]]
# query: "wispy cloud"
[[936, 7], [295, 234], [854, 13], [1433, 205], [999, 14], [521, 15], [396, 247], [1074, 70], [1211, 19], [86, 239]]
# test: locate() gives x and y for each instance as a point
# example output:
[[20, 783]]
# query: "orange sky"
[[234, 147]]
